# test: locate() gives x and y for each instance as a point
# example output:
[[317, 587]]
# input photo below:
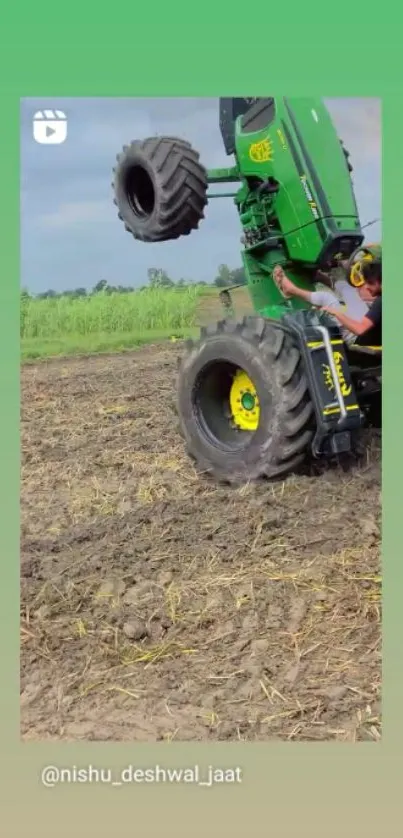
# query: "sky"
[[70, 234]]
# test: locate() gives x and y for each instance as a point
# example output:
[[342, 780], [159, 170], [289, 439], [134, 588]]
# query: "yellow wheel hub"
[[244, 402]]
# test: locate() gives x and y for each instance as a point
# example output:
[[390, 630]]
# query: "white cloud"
[[75, 214], [359, 123]]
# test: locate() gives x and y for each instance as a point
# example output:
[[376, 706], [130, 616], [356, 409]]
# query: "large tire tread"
[[180, 185], [295, 418]]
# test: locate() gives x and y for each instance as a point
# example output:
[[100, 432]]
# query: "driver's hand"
[[334, 312]]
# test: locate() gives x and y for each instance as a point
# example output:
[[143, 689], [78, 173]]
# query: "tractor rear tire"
[[282, 439], [160, 188]]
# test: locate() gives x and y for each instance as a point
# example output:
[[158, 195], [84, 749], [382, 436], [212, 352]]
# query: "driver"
[[355, 324]]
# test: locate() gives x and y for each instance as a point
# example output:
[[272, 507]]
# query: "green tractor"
[[259, 396]]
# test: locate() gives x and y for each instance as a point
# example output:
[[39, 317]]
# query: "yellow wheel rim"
[[244, 402]]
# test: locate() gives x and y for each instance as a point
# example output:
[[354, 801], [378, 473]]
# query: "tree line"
[[157, 278]]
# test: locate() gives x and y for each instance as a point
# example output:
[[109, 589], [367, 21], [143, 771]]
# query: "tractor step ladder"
[[331, 362], [332, 391]]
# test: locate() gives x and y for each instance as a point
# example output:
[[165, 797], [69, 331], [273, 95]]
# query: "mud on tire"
[[160, 188], [286, 424]]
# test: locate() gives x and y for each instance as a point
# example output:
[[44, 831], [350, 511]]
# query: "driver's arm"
[[357, 327]]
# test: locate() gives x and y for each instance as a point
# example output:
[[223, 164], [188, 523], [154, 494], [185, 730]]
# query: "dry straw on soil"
[[157, 605]]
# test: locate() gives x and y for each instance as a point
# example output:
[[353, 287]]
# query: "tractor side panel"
[[294, 142]]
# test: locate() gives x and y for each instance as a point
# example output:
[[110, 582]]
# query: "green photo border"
[[322, 790]]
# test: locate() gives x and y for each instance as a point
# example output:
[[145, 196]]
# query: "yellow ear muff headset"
[[358, 259]]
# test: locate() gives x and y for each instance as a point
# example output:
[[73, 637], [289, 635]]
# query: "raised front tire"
[[160, 188], [243, 401]]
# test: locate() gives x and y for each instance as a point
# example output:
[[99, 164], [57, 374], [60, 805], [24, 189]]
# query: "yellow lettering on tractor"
[[261, 152], [281, 138], [346, 389], [327, 375]]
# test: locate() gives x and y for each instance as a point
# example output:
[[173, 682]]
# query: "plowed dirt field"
[[156, 605]]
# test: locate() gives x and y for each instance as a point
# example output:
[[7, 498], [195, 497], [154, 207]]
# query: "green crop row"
[[150, 310]]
